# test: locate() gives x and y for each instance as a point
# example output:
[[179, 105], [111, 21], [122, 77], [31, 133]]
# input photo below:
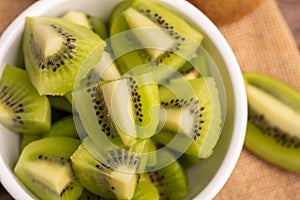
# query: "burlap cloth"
[[261, 42]]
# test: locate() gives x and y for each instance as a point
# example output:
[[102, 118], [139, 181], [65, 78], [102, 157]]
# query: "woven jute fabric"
[[261, 42]]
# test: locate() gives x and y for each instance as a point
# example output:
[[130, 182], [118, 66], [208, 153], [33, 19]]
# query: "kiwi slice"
[[93, 101], [63, 127], [192, 69], [98, 26], [192, 111], [50, 155], [60, 103], [162, 40], [188, 161], [27, 139], [55, 49], [77, 18], [137, 115], [171, 181], [20, 56], [102, 113], [145, 189], [150, 33], [22, 109], [111, 176], [87, 195], [106, 70], [151, 157], [89, 21], [57, 115], [196, 67], [273, 121], [146, 105]]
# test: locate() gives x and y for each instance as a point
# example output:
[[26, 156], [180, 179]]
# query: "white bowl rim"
[[236, 144]]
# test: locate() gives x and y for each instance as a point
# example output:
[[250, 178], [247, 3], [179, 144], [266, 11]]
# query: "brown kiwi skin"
[[223, 12]]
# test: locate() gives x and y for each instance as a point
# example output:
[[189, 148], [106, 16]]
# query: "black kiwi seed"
[[16, 107], [194, 109], [161, 22], [101, 111], [54, 159], [276, 133], [56, 61], [136, 98]]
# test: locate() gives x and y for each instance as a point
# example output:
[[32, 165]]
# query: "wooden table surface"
[[290, 10]]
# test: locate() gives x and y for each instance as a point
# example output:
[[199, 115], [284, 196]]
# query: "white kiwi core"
[[53, 175], [158, 39], [77, 18], [124, 184], [50, 42], [179, 120], [117, 97], [5, 115]]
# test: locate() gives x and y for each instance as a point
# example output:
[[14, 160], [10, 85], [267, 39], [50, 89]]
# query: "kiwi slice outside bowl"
[[273, 122]]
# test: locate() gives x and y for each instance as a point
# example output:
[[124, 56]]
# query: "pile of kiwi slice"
[[116, 110]]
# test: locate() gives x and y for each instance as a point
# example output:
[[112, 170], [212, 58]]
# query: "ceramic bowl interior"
[[205, 179]]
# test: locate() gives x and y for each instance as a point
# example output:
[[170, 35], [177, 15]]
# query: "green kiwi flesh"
[[146, 105], [171, 181], [44, 167], [77, 17], [156, 46], [64, 127], [98, 105], [185, 38], [22, 109], [98, 26], [87, 195], [106, 70], [188, 161], [152, 157], [273, 121], [137, 115], [110, 179], [27, 139], [145, 189], [56, 50], [195, 67], [60, 103], [195, 116]]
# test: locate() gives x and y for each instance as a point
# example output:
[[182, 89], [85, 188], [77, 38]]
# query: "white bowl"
[[207, 178]]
